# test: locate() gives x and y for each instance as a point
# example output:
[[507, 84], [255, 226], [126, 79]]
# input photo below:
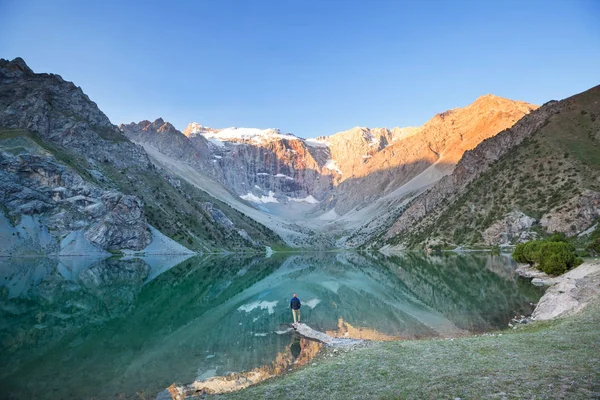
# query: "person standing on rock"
[[295, 306]]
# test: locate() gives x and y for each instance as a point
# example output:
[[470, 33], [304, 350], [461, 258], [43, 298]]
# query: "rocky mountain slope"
[[72, 180], [345, 181], [393, 158], [540, 176]]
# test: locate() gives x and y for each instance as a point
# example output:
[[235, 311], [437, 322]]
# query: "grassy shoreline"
[[552, 359]]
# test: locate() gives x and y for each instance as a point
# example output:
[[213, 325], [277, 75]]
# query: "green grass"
[[544, 360]]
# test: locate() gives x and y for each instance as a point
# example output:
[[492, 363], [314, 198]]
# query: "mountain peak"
[[19, 62], [16, 65], [493, 99], [194, 129]]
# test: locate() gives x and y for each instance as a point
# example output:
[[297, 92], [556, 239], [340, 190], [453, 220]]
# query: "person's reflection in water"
[[295, 348]]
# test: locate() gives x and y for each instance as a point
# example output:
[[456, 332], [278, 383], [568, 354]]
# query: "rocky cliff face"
[[261, 166], [71, 215], [472, 165], [171, 142]]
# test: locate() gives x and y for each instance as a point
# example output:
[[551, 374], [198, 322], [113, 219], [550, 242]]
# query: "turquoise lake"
[[116, 328]]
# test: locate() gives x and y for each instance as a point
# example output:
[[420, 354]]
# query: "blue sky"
[[307, 67]]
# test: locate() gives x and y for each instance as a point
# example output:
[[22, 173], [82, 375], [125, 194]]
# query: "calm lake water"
[[79, 328]]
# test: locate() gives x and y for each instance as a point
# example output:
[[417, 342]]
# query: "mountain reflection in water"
[[78, 328]]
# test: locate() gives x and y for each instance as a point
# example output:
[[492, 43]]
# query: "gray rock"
[[63, 202], [570, 293], [123, 226], [513, 227], [577, 215], [59, 111], [541, 282]]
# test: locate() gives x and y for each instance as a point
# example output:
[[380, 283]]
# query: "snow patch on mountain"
[[317, 142], [308, 199], [331, 165], [215, 142], [262, 199], [284, 176], [250, 134]]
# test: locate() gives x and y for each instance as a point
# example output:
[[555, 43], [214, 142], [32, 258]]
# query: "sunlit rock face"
[[470, 167], [298, 353], [375, 162]]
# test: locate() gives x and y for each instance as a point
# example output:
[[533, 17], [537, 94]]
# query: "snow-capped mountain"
[[345, 180]]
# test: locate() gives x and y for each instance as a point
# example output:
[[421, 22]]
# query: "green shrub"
[[496, 250], [558, 237], [553, 256], [556, 258], [531, 251], [518, 254], [594, 247]]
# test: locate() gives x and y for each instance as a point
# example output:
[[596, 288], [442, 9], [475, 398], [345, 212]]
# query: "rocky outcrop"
[[43, 117], [577, 215], [568, 293], [171, 142], [513, 228], [123, 224], [63, 202]]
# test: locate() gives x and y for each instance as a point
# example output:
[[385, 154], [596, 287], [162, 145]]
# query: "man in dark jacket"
[[295, 306]]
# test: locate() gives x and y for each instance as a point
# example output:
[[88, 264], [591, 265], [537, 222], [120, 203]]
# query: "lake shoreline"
[[511, 363]]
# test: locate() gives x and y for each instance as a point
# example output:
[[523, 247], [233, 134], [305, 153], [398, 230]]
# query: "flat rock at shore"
[[308, 332], [568, 293]]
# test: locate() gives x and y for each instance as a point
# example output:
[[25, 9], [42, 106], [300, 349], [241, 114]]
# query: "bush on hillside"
[[553, 256], [594, 247], [558, 237]]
